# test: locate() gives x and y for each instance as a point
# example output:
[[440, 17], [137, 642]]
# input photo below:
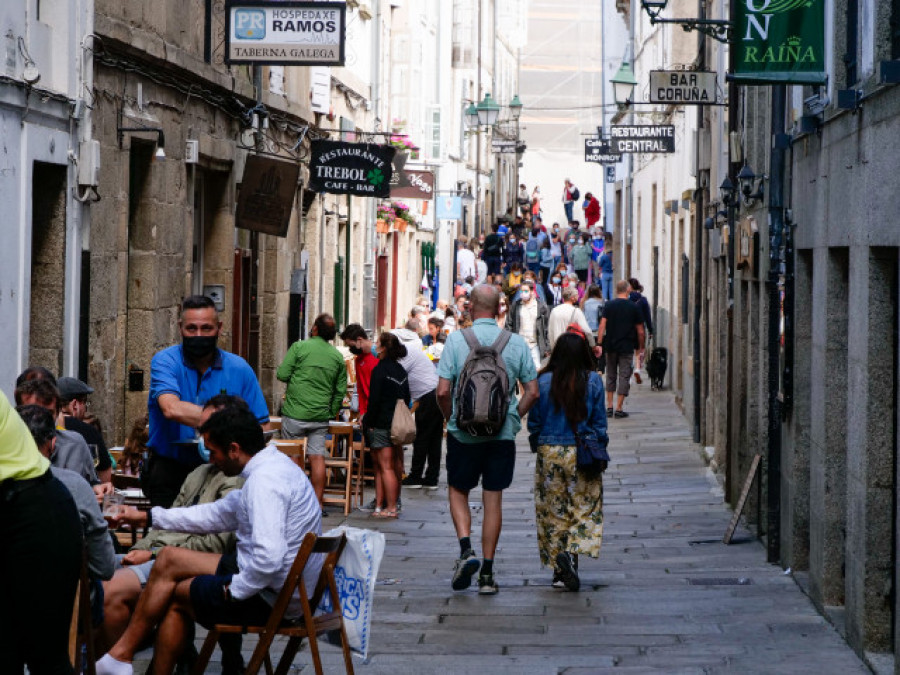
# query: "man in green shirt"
[[317, 383]]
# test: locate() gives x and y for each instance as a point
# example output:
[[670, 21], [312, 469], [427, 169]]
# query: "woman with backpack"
[[568, 501], [389, 383], [533, 249], [581, 257]]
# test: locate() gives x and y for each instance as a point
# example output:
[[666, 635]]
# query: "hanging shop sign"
[[285, 33], [682, 87], [503, 145], [598, 151], [642, 138], [267, 194], [408, 184], [449, 207], [779, 42], [362, 169]]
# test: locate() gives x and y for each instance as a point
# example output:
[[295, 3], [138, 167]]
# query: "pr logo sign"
[[250, 24]]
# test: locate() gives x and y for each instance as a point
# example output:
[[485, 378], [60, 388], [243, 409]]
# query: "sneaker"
[[412, 483], [609, 412], [464, 570], [557, 579], [430, 485], [487, 585], [620, 414], [371, 506], [567, 572]]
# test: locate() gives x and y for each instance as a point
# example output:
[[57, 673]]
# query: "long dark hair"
[[570, 364]]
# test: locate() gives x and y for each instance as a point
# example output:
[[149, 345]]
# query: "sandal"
[[384, 513]]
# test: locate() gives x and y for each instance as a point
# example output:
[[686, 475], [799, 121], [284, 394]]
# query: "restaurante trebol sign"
[[779, 41]]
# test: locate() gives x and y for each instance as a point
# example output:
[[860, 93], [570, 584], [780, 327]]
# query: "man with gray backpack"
[[478, 371]]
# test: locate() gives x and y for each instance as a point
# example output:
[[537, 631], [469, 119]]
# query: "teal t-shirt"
[[519, 367]]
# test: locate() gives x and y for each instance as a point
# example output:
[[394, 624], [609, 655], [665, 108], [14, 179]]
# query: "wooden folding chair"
[[81, 629], [294, 448], [340, 486], [308, 626]]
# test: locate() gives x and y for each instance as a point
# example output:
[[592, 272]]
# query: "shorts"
[[211, 607], [379, 438], [315, 433], [492, 461], [142, 571]]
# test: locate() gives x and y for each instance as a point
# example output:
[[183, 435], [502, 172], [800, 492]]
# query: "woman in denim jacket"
[[568, 502]]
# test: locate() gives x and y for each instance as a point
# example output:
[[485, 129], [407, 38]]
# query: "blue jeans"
[[568, 206], [606, 282]]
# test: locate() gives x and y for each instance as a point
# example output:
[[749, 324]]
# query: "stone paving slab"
[[637, 612]]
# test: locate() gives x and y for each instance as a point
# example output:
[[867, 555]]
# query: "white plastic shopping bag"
[[355, 575]]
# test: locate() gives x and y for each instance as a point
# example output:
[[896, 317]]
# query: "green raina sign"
[[779, 42]]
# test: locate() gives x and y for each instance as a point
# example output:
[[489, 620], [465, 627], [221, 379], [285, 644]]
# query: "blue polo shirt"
[[171, 374], [519, 367]]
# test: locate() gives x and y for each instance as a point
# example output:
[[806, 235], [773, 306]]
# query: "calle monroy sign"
[[362, 169]]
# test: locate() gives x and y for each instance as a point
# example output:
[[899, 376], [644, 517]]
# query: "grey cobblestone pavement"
[[665, 595]]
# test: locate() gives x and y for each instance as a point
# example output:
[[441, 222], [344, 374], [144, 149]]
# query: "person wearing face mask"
[[356, 339], [572, 239], [514, 253], [204, 485], [182, 379], [554, 289], [528, 317]]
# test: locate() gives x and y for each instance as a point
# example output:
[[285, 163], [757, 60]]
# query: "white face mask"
[[512, 241], [526, 295]]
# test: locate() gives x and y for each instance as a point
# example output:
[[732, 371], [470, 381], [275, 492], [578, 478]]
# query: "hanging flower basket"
[[401, 224], [382, 226]]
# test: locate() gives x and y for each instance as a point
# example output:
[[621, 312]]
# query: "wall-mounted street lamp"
[[750, 193], [717, 29], [624, 83], [471, 116], [160, 141], [726, 192], [488, 111], [515, 107]]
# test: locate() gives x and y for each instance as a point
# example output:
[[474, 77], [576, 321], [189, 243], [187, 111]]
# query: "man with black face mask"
[[182, 379]]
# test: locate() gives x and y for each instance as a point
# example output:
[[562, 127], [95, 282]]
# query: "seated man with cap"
[[73, 395]]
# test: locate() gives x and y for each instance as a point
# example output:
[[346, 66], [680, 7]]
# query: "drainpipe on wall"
[[776, 230], [700, 233], [368, 286]]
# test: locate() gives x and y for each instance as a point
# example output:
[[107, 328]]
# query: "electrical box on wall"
[[192, 151], [216, 293], [89, 163]]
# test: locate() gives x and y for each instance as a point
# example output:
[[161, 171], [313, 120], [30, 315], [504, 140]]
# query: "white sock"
[[110, 666]]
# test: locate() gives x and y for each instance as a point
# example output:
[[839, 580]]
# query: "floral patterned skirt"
[[568, 505]]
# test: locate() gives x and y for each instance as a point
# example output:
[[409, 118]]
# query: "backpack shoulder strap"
[[501, 341], [471, 338]]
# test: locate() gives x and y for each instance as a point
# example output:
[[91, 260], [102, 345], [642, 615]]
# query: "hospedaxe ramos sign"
[[779, 42], [362, 169], [285, 33]]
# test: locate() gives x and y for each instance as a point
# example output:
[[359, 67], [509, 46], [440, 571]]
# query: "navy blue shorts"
[[211, 607], [492, 461]]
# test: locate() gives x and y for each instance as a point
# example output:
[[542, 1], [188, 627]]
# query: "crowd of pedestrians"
[[524, 340]]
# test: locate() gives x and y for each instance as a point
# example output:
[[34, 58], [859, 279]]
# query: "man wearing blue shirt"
[[182, 379], [470, 458]]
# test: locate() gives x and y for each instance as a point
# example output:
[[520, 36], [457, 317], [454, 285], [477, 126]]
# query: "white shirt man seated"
[[271, 514]]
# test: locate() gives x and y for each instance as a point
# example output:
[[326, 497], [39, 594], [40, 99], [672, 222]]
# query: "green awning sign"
[[779, 42]]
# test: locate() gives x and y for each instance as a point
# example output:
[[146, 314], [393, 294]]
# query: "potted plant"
[[402, 216], [385, 216]]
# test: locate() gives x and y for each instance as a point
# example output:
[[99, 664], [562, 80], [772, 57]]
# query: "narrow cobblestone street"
[[665, 594]]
